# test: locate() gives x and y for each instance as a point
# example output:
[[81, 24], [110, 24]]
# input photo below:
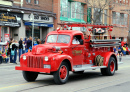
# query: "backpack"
[[13, 52]]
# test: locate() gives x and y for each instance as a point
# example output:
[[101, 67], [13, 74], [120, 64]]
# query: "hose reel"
[[99, 60]]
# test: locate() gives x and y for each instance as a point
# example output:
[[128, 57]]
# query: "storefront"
[[42, 26], [9, 22]]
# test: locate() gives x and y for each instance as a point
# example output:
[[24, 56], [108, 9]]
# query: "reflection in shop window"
[[36, 32]]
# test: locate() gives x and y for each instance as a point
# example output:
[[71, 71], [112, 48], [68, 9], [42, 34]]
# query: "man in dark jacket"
[[29, 43], [20, 47]]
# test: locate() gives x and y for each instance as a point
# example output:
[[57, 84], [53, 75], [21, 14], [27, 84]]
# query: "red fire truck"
[[67, 50]]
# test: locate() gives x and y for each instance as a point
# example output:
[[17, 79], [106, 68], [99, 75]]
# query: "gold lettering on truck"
[[77, 52]]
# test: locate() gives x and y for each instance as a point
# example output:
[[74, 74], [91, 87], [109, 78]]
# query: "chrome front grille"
[[34, 62]]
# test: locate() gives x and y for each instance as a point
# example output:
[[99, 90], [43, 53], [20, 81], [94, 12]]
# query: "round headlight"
[[46, 58], [24, 57]]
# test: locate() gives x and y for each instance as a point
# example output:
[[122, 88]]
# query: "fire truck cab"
[[67, 50]]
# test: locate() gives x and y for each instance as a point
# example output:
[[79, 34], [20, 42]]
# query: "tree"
[[98, 7]]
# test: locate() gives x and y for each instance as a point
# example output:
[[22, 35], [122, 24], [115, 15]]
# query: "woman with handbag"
[[13, 53]]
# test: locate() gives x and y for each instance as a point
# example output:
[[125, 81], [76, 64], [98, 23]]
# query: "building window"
[[124, 1], [119, 18], [71, 11], [28, 1], [127, 1], [125, 18], [120, 1], [116, 1], [122, 18], [77, 10], [105, 16], [114, 17], [64, 8], [36, 1], [97, 16]]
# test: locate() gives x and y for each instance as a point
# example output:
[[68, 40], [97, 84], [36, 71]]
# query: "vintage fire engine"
[[59, 55]]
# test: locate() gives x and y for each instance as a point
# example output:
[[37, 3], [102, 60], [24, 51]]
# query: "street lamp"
[[32, 19]]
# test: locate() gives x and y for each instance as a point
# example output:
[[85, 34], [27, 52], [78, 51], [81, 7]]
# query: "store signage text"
[[9, 20], [36, 17]]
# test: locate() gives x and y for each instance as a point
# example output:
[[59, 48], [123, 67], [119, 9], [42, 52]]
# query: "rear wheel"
[[110, 70], [61, 76], [30, 76]]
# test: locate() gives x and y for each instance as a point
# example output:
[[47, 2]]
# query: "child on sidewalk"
[[4, 56]]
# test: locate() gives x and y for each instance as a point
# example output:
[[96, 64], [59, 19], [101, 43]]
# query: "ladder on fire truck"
[[95, 43]]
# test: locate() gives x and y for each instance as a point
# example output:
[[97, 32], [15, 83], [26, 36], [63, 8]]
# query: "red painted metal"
[[72, 53], [63, 72], [112, 66]]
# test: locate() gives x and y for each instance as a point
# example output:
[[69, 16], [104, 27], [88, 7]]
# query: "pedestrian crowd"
[[18, 47], [122, 50]]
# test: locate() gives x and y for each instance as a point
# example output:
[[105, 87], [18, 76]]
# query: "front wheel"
[[110, 70], [30, 76], [61, 76]]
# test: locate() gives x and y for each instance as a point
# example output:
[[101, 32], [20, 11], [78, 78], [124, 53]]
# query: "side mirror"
[[81, 42]]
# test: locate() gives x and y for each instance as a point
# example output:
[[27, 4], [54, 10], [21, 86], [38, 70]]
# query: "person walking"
[[20, 47], [29, 43], [13, 53], [9, 49]]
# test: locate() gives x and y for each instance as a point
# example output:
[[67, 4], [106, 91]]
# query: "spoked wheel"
[[61, 76], [110, 70], [30, 76]]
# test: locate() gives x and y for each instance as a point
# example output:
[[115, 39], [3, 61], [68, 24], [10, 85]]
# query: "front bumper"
[[45, 70]]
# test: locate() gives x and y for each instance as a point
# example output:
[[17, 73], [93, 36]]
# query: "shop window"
[[105, 16], [36, 1], [36, 32], [98, 16], [28, 1]]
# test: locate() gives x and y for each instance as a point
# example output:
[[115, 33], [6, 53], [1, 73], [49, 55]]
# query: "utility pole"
[[32, 20]]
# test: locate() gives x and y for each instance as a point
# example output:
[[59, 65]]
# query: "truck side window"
[[76, 39]]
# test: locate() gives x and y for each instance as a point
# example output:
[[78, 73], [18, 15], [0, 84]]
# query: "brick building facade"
[[20, 24], [120, 19]]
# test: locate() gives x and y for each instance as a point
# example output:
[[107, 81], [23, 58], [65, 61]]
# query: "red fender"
[[107, 56], [58, 59]]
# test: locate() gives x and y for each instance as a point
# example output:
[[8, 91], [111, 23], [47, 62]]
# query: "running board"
[[87, 67]]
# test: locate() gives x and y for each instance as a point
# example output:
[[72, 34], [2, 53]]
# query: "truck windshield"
[[58, 39]]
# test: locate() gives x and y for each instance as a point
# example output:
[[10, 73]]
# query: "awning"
[[38, 24]]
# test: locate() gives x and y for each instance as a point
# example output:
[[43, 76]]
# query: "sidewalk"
[[17, 61]]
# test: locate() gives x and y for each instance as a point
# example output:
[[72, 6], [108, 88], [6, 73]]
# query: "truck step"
[[87, 67]]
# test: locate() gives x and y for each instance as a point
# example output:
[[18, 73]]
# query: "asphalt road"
[[91, 81]]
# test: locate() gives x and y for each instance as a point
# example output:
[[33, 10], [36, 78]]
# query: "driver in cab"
[[75, 41]]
